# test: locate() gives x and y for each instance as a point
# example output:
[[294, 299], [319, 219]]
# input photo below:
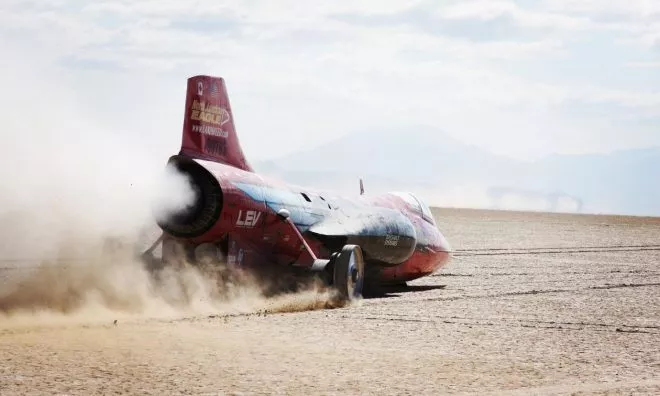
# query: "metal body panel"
[[393, 234], [395, 231]]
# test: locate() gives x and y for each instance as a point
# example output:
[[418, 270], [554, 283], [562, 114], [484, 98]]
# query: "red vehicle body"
[[254, 221]]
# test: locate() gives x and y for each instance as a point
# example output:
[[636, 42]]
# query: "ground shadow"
[[389, 291]]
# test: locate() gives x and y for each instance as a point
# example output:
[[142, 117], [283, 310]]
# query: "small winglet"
[[361, 187]]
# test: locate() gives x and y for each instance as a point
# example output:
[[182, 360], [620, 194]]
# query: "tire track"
[[628, 272], [507, 322], [551, 250], [516, 293], [561, 248]]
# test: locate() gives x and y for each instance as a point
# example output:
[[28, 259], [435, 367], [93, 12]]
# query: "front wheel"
[[348, 273]]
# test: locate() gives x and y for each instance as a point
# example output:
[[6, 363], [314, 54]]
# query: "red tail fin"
[[208, 128]]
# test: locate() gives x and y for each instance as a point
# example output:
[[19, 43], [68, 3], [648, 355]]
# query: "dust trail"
[[115, 285], [81, 199]]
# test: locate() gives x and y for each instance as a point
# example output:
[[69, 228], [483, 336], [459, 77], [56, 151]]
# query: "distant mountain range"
[[446, 172]]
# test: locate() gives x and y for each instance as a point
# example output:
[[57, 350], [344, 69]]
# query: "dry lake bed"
[[531, 304]]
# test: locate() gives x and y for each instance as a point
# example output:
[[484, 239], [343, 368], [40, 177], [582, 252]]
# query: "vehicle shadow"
[[389, 291]]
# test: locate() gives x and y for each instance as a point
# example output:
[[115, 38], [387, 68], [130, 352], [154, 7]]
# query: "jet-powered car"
[[253, 221]]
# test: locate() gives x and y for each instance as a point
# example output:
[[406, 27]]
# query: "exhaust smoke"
[[200, 210]]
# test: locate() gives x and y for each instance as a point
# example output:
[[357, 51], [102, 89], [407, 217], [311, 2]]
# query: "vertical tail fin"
[[208, 127]]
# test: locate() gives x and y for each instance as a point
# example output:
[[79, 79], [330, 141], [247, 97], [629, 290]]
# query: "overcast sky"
[[522, 78]]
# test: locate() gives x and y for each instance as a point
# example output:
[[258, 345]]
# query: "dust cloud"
[[78, 204], [115, 285], [480, 197]]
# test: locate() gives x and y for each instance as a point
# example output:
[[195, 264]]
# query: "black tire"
[[348, 273]]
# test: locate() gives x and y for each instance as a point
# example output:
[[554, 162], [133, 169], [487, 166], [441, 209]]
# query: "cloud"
[[643, 65], [488, 10], [499, 74], [637, 20], [611, 10]]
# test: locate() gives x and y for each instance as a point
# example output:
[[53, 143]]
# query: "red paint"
[[210, 140], [208, 126], [419, 265]]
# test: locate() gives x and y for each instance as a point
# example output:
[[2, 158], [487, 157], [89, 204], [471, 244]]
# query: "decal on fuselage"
[[391, 240], [215, 146], [201, 111], [209, 130], [249, 219]]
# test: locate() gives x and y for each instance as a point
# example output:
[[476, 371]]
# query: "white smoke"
[[173, 193], [64, 175]]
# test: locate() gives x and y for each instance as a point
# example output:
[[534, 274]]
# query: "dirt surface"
[[531, 304]]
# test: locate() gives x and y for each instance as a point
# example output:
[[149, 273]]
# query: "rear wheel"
[[176, 253], [348, 272], [207, 254]]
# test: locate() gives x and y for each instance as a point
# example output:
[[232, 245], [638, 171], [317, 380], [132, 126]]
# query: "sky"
[[519, 78]]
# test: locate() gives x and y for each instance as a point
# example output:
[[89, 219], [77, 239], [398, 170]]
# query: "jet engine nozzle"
[[201, 214]]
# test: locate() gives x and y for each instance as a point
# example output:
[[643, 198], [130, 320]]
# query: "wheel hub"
[[348, 272], [353, 274]]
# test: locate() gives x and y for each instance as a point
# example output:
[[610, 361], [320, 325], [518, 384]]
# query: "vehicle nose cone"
[[443, 244]]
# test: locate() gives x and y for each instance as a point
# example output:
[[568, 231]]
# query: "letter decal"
[[248, 220], [391, 240]]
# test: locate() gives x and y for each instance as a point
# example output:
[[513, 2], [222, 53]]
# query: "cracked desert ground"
[[530, 304]]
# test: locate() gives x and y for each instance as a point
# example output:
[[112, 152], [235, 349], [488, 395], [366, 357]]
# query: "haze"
[[480, 88]]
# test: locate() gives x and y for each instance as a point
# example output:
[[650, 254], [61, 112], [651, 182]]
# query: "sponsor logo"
[[209, 113], [391, 240], [209, 130], [249, 219], [215, 146], [200, 88]]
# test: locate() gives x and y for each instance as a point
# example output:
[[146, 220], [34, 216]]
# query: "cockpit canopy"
[[417, 205]]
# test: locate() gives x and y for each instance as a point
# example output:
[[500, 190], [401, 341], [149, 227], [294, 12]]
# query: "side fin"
[[208, 126]]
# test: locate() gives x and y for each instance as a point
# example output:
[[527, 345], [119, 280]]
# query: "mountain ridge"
[[435, 164]]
